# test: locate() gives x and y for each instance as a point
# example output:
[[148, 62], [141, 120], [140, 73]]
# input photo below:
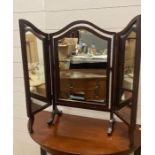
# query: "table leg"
[[42, 152], [138, 151]]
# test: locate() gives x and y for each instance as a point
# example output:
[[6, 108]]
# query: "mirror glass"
[[34, 49], [128, 65], [83, 62], [37, 104]]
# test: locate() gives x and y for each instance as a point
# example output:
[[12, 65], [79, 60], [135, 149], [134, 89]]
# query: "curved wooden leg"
[[42, 151], [54, 113]]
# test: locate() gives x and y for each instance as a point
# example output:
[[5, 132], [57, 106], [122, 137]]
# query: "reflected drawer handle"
[[97, 87]]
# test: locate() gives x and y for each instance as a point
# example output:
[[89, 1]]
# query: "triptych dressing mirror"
[[82, 66]]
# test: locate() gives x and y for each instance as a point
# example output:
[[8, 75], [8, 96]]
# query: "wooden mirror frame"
[[121, 43], [33, 108], [82, 104], [129, 114], [52, 81]]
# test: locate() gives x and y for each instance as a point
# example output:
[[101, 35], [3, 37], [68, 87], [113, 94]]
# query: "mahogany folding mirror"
[[82, 66]]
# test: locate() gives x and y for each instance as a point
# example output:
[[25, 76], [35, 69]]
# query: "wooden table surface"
[[81, 135]]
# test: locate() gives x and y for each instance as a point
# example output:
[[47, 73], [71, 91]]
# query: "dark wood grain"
[[81, 135]]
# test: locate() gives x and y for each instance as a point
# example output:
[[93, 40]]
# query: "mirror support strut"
[[55, 112]]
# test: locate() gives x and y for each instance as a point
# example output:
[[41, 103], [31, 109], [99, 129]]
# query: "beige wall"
[[51, 15]]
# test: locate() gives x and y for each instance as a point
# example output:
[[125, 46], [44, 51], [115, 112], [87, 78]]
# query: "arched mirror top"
[[28, 26], [131, 26], [81, 28], [81, 24]]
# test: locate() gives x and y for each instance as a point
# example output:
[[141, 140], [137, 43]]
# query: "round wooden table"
[[76, 135]]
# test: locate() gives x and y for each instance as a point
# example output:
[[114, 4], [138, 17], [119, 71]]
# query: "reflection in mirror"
[[36, 104], [34, 48], [128, 66], [83, 67]]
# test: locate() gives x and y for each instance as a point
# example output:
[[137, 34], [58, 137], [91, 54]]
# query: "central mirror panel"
[[83, 62]]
